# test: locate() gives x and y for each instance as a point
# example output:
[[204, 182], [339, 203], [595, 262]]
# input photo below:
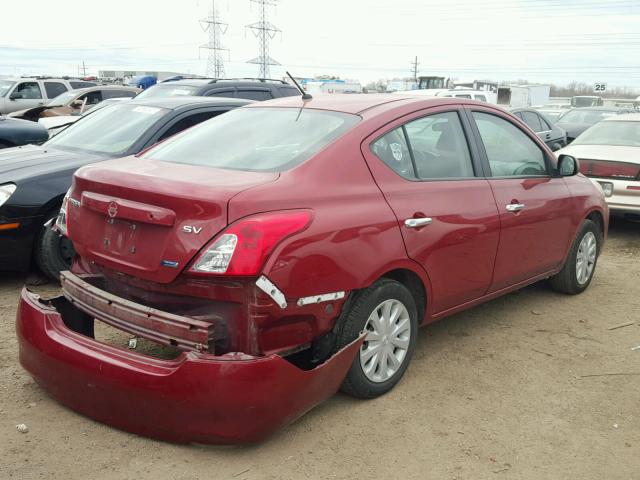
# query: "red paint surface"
[[195, 398], [473, 251]]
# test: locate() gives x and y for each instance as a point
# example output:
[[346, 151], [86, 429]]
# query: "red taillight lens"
[[606, 169], [244, 246]]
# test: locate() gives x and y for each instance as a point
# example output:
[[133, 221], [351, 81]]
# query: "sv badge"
[[191, 229]]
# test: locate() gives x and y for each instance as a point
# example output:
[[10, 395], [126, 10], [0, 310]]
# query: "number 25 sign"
[[599, 87]]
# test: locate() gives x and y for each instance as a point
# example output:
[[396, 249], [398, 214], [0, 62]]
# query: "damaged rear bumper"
[[197, 397]]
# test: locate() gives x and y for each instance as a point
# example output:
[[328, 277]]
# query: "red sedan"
[[291, 248]]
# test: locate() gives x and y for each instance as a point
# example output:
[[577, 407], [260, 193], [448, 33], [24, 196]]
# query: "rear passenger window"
[[543, 123], [511, 153], [54, 89], [532, 120], [439, 147], [188, 122], [255, 94], [481, 98], [220, 93], [75, 85], [433, 147]]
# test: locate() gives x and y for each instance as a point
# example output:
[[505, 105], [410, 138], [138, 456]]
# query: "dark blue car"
[[14, 132]]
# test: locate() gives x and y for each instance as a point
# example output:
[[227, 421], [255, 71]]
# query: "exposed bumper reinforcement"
[[197, 397]]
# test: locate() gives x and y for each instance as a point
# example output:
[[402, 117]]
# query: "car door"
[[26, 94], [434, 183], [534, 203]]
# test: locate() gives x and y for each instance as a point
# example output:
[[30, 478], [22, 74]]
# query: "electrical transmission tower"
[[216, 28], [264, 31], [414, 69]]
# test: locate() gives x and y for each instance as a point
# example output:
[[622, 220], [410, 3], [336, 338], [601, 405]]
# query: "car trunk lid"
[[147, 218]]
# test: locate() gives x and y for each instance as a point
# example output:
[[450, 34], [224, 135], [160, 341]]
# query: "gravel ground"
[[534, 385]]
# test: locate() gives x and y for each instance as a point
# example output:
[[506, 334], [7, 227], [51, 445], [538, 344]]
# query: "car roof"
[[626, 117], [82, 90], [173, 103], [360, 103], [606, 109], [224, 82]]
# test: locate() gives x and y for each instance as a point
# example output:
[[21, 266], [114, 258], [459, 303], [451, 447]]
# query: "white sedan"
[[609, 153]]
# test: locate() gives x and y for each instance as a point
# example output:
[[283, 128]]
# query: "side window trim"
[[474, 153], [483, 153]]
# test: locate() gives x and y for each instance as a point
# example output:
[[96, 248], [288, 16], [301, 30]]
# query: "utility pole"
[[83, 69], [264, 31], [414, 69], [216, 28]]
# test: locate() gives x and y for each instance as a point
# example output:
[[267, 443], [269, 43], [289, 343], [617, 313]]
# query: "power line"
[[216, 28], [264, 31]]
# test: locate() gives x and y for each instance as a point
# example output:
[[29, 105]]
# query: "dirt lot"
[[533, 385]]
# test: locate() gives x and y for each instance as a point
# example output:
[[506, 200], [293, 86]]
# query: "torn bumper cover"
[[197, 397]]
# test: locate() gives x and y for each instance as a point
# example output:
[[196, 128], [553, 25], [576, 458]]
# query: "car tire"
[[53, 252], [581, 261], [379, 364]]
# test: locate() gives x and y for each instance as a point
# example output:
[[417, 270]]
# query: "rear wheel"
[[581, 262], [387, 312], [53, 252]]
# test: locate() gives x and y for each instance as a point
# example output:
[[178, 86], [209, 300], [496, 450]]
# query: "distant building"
[[401, 85], [325, 84], [128, 74]]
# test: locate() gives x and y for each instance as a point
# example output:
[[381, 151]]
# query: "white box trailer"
[[519, 96]]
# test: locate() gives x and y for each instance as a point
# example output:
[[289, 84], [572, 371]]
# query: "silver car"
[[609, 153]]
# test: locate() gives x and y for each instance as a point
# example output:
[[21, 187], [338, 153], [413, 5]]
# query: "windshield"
[[586, 116], [5, 86], [618, 133], [110, 131], [160, 91], [62, 99], [256, 139]]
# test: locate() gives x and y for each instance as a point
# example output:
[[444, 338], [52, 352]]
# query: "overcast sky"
[[539, 40]]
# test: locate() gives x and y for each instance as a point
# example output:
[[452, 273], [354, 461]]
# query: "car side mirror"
[[15, 96], [568, 166], [77, 103]]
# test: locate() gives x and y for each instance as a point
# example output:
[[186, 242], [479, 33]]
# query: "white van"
[[28, 92]]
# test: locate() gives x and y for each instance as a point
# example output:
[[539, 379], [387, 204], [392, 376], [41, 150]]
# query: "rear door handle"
[[417, 222], [514, 207]]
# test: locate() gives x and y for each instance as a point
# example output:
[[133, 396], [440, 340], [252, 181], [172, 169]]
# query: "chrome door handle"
[[417, 222], [514, 207]]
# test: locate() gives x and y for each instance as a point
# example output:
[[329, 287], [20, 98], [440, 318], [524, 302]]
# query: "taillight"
[[607, 169], [244, 246]]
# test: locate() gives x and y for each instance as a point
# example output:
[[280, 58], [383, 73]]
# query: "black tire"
[[354, 320], [566, 281], [53, 253]]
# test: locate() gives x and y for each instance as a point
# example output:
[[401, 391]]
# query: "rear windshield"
[[161, 91], [618, 133], [585, 116], [111, 130], [5, 86], [256, 139], [62, 99]]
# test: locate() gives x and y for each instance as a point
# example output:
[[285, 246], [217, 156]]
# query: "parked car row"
[[22, 93], [281, 250]]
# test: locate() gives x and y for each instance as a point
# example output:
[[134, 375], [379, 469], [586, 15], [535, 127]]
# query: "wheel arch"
[[414, 284]]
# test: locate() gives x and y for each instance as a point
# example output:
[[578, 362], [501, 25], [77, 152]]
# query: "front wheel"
[[387, 312], [581, 262]]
